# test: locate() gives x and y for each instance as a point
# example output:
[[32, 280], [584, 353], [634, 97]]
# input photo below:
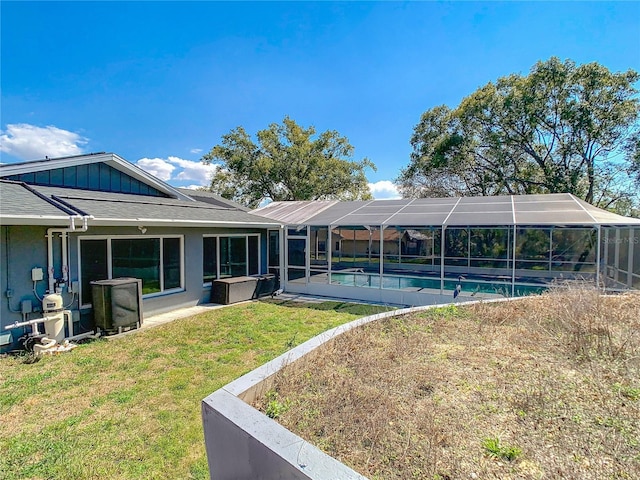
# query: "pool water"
[[468, 287]]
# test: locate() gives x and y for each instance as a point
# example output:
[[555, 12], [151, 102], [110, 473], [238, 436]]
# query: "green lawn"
[[129, 408]]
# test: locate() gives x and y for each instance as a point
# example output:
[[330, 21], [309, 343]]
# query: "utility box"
[[235, 289], [117, 304]]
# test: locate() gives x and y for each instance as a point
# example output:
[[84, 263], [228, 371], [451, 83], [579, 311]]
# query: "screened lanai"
[[474, 246]]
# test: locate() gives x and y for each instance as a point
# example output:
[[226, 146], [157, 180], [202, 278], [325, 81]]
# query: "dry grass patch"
[[544, 387]]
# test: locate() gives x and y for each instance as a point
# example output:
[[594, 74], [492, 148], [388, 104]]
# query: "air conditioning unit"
[[117, 304]]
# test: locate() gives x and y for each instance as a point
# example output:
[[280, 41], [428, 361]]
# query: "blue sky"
[[159, 83]]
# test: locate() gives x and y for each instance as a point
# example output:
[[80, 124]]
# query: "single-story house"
[[65, 222]]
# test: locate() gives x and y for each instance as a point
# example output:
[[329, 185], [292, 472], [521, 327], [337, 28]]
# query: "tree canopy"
[[562, 128], [288, 162]]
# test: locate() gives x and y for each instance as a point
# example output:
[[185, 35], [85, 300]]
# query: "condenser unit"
[[117, 304]]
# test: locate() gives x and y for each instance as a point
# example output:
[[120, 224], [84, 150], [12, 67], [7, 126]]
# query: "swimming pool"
[[468, 286]]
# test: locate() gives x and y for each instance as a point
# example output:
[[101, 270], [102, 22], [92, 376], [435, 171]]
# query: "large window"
[[157, 261], [227, 256]]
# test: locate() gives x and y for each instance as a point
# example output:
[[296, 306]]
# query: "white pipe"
[[50, 259], [25, 323], [65, 263], [63, 235]]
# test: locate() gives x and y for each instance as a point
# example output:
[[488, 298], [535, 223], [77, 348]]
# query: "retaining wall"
[[243, 443]]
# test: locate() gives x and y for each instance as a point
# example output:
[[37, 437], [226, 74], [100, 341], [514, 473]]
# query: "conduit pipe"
[[63, 235]]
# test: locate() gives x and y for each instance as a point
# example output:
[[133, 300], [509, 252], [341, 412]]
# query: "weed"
[[632, 393], [495, 449], [448, 312], [291, 342], [275, 407]]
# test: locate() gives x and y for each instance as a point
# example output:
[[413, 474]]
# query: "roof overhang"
[[41, 220], [154, 222]]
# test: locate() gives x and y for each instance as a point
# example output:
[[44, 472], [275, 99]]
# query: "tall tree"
[[562, 128], [287, 163]]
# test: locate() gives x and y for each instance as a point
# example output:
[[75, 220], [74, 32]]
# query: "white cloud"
[[157, 167], [29, 142], [178, 169], [384, 189], [193, 170], [196, 150]]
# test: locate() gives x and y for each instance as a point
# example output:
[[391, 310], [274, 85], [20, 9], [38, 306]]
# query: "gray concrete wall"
[[242, 443]]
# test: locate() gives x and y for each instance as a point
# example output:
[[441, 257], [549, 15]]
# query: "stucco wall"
[[22, 248], [25, 247]]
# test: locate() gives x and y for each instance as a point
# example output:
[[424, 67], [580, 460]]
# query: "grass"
[[543, 387], [129, 408]]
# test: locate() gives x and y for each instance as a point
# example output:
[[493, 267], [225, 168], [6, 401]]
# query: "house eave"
[[41, 220], [148, 222]]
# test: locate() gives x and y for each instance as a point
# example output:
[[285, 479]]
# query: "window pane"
[[318, 246], [456, 246], [93, 265], [295, 275], [209, 266], [171, 260], [297, 232], [296, 254], [254, 268], [610, 241], [137, 258], [574, 249], [274, 248], [233, 256], [532, 246], [238, 256], [419, 245], [392, 237]]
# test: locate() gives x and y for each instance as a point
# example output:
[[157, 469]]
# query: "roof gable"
[[105, 172]]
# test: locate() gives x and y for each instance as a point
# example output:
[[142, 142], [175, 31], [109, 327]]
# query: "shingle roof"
[[33, 204], [212, 198], [22, 206], [549, 209], [117, 208]]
